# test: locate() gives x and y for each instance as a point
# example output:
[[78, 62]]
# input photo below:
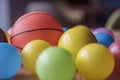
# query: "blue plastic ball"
[[10, 61], [104, 39]]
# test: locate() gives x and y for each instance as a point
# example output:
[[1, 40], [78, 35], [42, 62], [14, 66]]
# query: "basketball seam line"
[[18, 47], [33, 30]]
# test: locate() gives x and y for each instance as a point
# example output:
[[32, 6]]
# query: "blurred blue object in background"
[[65, 29]]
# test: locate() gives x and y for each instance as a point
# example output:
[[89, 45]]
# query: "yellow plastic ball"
[[30, 53], [75, 38], [8, 36], [95, 62]]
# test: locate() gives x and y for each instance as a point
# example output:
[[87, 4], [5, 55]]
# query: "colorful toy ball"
[[10, 61], [36, 25], [95, 62], [115, 50], [104, 30], [55, 63], [30, 53], [8, 36], [75, 38], [104, 39], [3, 37]]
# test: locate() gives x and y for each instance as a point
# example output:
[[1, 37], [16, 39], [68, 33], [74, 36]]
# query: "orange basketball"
[[35, 25]]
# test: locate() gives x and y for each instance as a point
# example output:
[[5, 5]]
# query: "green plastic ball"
[[55, 63]]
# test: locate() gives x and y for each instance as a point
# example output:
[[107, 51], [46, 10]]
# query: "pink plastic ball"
[[115, 50]]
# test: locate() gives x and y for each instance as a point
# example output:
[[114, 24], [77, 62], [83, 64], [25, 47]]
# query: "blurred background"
[[92, 13]]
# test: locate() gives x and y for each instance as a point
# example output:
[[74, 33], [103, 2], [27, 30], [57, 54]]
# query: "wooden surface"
[[25, 75]]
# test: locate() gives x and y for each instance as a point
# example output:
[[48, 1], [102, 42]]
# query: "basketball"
[[35, 25]]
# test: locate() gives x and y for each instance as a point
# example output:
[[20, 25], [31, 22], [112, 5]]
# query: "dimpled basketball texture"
[[35, 25]]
